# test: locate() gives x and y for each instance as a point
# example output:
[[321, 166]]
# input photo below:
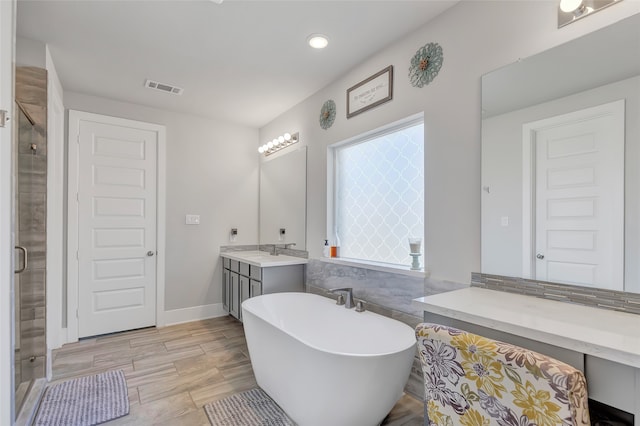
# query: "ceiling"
[[240, 61]]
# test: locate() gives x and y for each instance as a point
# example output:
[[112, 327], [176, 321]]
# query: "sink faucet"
[[349, 291], [275, 252]]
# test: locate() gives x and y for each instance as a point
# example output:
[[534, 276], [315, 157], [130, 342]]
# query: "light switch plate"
[[192, 219], [504, 221]]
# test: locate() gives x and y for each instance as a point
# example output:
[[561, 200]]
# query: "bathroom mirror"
[[283, 198], [546, 143]]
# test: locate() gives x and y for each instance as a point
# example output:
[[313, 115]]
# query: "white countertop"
[[602, 333], [263, 259]]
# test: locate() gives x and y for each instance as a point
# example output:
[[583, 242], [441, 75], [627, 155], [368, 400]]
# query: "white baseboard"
[[195, 313]]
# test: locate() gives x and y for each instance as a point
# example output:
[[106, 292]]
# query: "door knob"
[[150, 253], [540, 256]]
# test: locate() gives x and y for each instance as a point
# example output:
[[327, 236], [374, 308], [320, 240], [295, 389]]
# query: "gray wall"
[[477, 37], [212, 170]]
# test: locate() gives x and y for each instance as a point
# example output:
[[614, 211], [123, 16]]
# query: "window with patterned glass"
[[378, 198]]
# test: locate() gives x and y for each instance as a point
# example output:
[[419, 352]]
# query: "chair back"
[[471, 380]]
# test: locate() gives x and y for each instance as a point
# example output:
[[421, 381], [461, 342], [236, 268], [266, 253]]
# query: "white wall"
[[30, 53], [212, 170], [7, 51], [56, 258], [477, 37]]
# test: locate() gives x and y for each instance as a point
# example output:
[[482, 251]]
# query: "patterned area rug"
[[249, 408], [85, 401]]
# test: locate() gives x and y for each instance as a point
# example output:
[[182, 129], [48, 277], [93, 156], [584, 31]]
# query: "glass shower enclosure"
[[29, 165]]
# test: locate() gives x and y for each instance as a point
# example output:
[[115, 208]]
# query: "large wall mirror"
[[283, 198], [561, 163]]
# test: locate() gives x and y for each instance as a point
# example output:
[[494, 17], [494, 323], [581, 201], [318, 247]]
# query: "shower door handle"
[[26, 259]]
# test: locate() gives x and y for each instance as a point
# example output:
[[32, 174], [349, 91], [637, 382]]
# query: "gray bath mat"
[[85, 401], [249, 408]]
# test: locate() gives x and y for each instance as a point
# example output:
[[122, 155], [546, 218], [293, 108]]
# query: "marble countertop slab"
[[602, 333], [263, 259]]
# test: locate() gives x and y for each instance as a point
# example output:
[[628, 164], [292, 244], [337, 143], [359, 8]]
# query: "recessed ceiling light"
[[318, 41]]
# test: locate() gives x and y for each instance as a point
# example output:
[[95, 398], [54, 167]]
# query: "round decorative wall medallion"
[[425, 64], [327, 114]]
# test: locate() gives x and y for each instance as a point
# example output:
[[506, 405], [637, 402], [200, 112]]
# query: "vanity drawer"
[[226, 263], [235, 265], [255, 272], [612, 383], [573, 358], [244, 269]]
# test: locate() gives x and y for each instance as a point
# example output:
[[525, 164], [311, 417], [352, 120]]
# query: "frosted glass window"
[[379, 195]]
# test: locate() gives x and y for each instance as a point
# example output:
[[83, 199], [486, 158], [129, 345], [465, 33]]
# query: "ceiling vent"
[[167, 88]]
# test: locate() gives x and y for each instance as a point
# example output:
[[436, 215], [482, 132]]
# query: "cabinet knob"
[[150, 253], [540, 256]]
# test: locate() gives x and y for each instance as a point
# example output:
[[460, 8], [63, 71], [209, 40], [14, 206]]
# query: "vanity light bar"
[[278, 143]]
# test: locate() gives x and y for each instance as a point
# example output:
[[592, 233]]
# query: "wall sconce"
[[278, 143], [571, 10]]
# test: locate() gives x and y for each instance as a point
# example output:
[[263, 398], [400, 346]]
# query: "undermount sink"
[[264, 259]]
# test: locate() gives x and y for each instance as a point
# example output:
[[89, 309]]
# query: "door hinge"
[[3, 117], [77, 314], [78, 138], [77, 196], [78, 255]]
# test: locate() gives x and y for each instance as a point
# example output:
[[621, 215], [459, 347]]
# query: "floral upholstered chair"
[[475, 381]]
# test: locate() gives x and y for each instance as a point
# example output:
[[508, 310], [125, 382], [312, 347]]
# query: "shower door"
[[29, 209]]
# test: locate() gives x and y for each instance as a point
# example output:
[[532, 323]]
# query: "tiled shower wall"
[[386, 293], [31, 191]]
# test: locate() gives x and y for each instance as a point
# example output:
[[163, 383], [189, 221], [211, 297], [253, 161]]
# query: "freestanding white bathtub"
[[326, 365]]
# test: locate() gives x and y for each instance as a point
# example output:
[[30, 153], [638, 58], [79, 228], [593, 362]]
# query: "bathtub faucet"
[[349, 303]]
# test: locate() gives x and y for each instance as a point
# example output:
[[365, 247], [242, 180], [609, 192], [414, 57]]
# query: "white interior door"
[[116, 226], [579, 197]]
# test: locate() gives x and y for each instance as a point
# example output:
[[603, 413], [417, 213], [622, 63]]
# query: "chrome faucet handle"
[[360, 306], [340, 300], [349, 302]]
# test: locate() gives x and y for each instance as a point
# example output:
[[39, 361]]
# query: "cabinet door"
[[244, 291], [234, 302], [225, 290], [256, 288]]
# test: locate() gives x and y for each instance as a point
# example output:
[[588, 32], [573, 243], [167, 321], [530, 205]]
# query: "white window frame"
[[395, 126]]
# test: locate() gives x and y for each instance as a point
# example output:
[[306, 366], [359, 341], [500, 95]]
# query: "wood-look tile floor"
[[173, 372]]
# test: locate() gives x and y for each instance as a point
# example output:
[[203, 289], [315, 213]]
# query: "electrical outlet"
[[192, 219]]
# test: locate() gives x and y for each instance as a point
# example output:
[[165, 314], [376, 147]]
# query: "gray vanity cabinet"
[[242, 280], [231, 286]]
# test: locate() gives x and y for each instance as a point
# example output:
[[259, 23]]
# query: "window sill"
[[377, 266]]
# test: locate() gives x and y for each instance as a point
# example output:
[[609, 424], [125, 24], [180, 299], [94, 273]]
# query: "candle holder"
[[415, 245]]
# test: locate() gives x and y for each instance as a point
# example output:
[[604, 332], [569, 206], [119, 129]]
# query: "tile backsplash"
[[595, 297]]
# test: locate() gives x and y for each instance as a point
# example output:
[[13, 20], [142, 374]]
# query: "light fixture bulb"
[[281, 139], [260, 150], [287, 137], [569, 6], [276, 142], [270, 145], [318, 41], [265, 147]]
